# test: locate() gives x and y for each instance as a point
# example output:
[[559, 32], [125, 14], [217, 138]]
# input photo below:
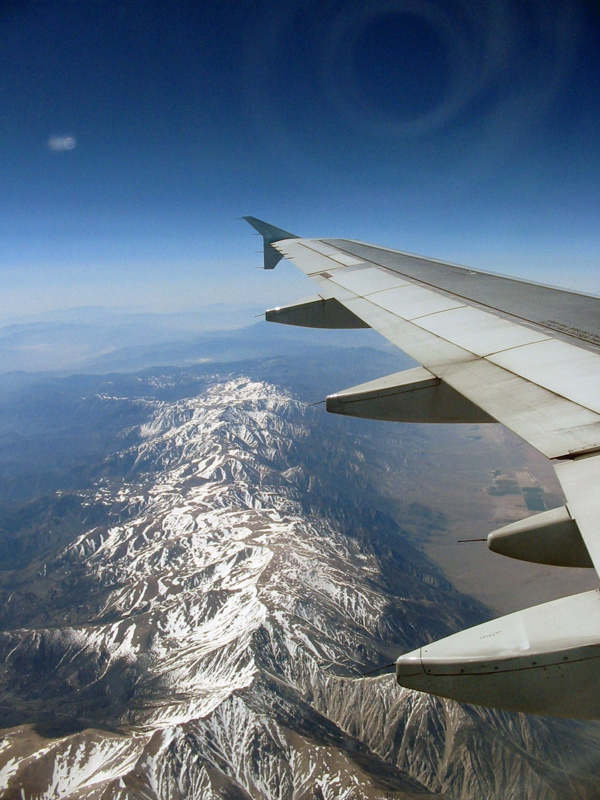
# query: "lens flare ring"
[[339, 82], [506, 62]]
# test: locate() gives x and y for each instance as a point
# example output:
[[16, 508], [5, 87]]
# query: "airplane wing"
[[492, 349]]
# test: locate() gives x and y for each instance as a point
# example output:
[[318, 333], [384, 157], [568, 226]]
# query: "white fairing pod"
[[551, 537], [542, 660]]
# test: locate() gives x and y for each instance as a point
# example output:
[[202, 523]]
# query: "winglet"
[[270, 234]]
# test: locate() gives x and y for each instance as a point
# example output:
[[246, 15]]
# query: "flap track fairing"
[[316, 312], [552, 537], [542, 660], [415, 395]]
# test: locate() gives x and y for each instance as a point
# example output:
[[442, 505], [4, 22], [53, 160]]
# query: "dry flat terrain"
[[479, 478]]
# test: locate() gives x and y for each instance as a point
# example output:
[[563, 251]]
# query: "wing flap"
[[563, 368], [412, 301], [553, 425], [369, 280], [501, 365], [478, 332]]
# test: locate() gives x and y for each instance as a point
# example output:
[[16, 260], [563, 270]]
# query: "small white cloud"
[[60, 143]]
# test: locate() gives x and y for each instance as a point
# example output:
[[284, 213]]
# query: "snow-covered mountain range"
[[199, 621]]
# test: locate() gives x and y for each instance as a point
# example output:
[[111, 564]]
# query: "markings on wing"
[[569, 314], [546, 390]]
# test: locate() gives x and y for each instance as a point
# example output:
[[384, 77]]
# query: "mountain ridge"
[[221, 615]]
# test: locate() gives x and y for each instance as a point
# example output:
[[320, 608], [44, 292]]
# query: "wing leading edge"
[[492, 348]]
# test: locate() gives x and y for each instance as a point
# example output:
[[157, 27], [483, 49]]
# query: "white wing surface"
[[493, 349]]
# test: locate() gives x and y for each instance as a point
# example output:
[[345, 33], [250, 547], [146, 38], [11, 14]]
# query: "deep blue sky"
[[463, 129]]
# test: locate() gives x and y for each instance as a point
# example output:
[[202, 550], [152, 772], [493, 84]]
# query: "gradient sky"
[[133, 134]]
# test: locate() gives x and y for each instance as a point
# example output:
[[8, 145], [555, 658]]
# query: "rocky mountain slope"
[[198, 621]]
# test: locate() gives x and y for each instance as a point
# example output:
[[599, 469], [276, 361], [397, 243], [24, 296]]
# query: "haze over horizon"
[[134, 135]]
